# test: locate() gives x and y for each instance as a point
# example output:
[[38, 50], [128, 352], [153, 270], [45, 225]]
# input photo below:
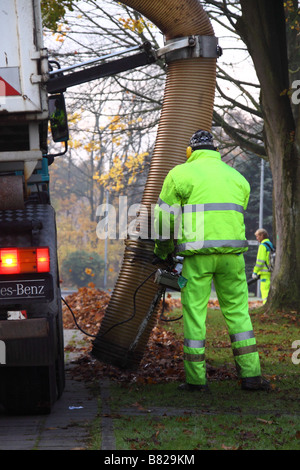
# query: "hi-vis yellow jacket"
[[201, 208], [262, 264]]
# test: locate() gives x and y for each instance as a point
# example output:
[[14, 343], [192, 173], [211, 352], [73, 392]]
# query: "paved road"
[[64, 428]]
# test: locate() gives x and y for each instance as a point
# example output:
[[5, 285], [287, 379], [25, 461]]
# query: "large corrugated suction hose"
[[187, 107]]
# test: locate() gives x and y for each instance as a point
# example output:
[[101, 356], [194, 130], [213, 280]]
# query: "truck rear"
[[31, 331]]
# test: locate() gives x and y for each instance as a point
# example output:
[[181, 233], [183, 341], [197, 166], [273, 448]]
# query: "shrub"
[[81, 267]]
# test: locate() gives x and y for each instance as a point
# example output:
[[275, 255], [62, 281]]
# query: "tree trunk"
[[263, 28]]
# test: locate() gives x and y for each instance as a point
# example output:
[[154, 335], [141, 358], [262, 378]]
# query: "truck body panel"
[[21, 49]]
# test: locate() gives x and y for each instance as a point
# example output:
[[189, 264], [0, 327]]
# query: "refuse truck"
[[31, 333], [32, 375]]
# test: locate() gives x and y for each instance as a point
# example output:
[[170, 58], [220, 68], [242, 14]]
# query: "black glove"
[[168, 261], [157, 260]]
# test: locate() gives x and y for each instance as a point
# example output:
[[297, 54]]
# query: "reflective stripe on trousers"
[[242, 348], [198, 350]]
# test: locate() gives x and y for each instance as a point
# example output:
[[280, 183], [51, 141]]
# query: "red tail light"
[[24, 260], [9, 261], [43, 260]]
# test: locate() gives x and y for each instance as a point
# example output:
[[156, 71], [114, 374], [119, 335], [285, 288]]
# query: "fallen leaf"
[[264, 421], [229, 447]]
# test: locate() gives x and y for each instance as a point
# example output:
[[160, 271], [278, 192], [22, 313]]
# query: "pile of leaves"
[[88, 305], [162, 361]]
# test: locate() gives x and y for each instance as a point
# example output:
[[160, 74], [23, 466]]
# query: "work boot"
[[193, 388], [255, 383]]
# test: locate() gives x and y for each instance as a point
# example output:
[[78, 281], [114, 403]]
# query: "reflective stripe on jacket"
[[201, 207]]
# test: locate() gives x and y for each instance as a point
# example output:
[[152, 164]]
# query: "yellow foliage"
[[116, 140], [74, 118], [137, 25], [292, 15], [89, 272], [74, 144], [114, 178], [59, 38], [116, 124], [60, 34], [91, 146]]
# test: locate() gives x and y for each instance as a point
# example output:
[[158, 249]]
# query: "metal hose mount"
[[187, 106]]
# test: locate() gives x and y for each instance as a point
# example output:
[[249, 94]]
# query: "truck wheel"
[[29, 390]]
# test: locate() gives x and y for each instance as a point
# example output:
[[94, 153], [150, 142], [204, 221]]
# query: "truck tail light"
[[43, 260], [24, 260]]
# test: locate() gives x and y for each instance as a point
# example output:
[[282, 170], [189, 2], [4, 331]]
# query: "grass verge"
[[158, 416]]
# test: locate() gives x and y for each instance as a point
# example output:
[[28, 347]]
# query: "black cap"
[[202, 139]]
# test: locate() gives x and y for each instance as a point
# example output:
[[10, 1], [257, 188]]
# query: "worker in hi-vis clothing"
[[200, 216], [262, 265]]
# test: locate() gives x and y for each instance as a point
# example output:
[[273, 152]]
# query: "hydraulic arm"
[[190, 46], [59, 82]]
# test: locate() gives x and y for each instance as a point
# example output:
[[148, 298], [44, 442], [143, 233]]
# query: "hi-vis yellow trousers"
[[265, 282], [228, 273]]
